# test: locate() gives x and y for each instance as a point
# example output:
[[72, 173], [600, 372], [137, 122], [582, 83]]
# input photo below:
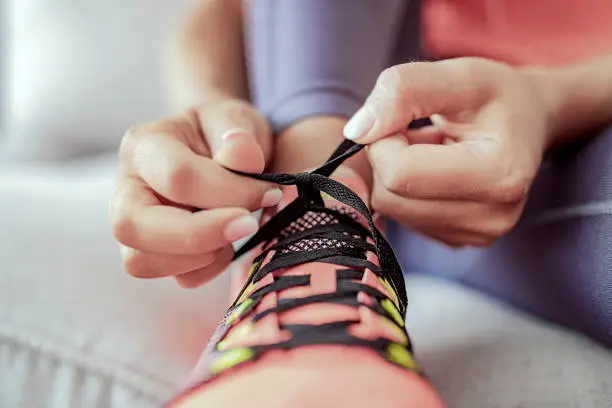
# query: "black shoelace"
[[306, 231], [310, 186]]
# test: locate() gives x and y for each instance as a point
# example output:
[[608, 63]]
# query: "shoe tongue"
[[343, 175]]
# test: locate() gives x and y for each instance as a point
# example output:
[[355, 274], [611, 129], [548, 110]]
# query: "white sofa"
[[77, 332]]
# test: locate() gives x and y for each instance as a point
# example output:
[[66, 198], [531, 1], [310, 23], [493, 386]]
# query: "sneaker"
[[318, 319]]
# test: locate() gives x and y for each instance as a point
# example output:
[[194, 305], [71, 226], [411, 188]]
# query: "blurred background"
[[77, 332], [75, 329], [76, 74]]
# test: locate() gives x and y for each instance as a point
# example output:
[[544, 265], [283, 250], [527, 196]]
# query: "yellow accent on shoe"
[[223, 345], [395, 314], [390, 289], [400, 355], [236, 334], [254, 267], [231, 358], [247, 292], [239, 310], [400, 332]]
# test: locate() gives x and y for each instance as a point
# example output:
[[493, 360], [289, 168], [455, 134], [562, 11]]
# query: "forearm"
[[579, 97], [206, 60]]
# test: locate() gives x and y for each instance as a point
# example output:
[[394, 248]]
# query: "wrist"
[[578, 97], [205, 95], [309, 142], [545, 86]]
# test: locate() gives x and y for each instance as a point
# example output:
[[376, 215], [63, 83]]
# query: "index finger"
[[141, 222], [417, 90], [173, 170]]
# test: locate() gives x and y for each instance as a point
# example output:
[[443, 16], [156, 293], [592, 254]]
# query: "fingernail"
[[437, 120], [360, 123], [231, 133], [271, 197], [240, 228], [227, 138]]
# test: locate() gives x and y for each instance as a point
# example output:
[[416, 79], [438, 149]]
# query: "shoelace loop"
[[310, 186]]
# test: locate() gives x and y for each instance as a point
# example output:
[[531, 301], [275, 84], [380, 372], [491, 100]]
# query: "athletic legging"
[[322, 57]]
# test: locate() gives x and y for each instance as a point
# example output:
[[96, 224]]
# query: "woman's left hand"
[[464, 180]]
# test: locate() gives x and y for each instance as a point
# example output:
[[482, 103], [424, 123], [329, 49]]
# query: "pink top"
[[542, 32]]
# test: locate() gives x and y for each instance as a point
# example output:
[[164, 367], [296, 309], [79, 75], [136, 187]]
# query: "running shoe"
[[318, 318]]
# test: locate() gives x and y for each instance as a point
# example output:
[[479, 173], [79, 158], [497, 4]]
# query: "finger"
[[238, 136], [425, 135], [470, 171], [174, 171], [140, 222], [201, 276], [457, 239], [149, 265], [464, 216], [415, 90]]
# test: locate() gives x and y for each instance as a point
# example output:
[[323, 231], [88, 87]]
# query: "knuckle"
[[389, 80], [481, 241], [381, 201], [179, 181], [499, 227], [238, 111], [511, 189], [130, 139], [134, 132], [470, 66], [398, 92], [136, 263], [395, 182], [190, 280], [395, 82], [124, 228], [379, 204], [196, 241]]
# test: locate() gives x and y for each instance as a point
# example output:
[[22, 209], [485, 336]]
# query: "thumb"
[[238, 136], [412, 91]]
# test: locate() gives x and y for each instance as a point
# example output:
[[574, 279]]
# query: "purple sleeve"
[[317, 57]]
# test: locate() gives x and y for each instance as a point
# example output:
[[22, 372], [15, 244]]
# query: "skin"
[[465, 180], [171, 167]]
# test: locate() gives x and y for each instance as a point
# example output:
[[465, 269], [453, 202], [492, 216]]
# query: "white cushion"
[[480, 353], [74, 327], [81, 72]]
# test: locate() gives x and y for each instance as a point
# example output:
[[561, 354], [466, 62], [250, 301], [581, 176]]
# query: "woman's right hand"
[[171, 168]]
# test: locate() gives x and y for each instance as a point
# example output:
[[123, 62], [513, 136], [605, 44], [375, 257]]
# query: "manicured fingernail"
[[359, 124], [228, 138], [272, 197], [437, 120], [231, 133], [240, 228]]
